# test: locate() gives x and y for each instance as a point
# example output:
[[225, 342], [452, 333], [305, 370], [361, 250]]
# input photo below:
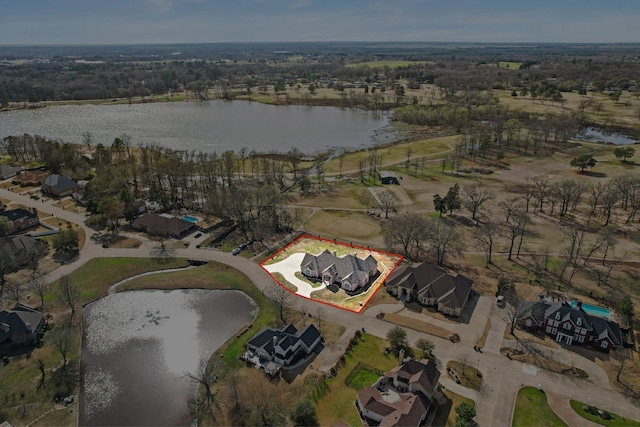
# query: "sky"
[[212, 21]]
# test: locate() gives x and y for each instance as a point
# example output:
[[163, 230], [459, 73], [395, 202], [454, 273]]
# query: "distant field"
[[505, 64], [391, 64]]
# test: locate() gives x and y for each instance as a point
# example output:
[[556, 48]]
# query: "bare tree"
[[62, 340], [41, 367], [68, 294], [510, 206], [39, 287], [205, 376], [474, 196], [407, 231], [443, 239], [514, 295], [515, 228], [595, 192], [486, 235], [388, 202], [540, 189], [282, 298], [610, 198], [575, 241], [527, 191]]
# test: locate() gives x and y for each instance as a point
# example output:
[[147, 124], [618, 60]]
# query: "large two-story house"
[[403, 396], [430, 286], [350, 272], [569, 325], [273, 348], [20, 325]]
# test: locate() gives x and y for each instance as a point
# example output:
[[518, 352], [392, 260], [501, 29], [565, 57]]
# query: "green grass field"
[[382, 64], [616, 421], [338, 402], [532, 410]]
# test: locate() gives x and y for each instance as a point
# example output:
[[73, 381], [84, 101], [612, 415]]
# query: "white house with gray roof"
[[350, 272]]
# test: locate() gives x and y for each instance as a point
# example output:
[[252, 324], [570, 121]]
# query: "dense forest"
[[40, 74]]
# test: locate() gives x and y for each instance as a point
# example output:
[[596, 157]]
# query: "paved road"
[[502, 377]]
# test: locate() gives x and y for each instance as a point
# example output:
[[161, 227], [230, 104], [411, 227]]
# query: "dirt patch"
[[411, 323]]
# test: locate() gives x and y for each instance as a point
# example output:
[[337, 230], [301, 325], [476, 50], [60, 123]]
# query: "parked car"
[[500, 301], [236, 251], [198, 234]]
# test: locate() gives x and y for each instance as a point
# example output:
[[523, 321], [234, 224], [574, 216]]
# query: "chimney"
[[400, 357], [275, 342], [335, 254], [28, 326]]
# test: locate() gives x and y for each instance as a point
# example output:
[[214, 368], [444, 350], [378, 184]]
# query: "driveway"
[[288, 267]]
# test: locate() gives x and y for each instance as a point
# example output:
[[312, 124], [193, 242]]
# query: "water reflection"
[[207, 126], [593, 134], [137, 346]]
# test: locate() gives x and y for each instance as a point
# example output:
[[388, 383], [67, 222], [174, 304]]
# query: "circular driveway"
[[288, 267]]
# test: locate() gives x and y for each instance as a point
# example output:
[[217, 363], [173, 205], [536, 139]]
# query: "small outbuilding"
[[388, 177]]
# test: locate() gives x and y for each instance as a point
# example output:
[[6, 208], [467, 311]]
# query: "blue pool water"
[[192, 219], [593, 310]]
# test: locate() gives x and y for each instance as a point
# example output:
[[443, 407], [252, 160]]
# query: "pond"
[[592, 134], [138, 345], [207, 126]]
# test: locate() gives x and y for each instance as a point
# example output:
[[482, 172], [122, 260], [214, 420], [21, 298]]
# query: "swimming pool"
[[593, 310], [192, 219]]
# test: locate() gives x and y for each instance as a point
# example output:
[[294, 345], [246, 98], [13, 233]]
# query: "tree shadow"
[[593, 174]]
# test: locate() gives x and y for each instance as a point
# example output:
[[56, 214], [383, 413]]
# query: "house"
[[388, 177], [273, 348], [21, 219], [430, 286], [569, 325], [349, 271], [30, 178], [407, 402], [20, 325], [162, 224], [59, 186], [17, 250], [7, 171]]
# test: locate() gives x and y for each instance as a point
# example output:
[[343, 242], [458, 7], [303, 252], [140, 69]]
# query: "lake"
[[207, 126], [592, 134], [138, 345]]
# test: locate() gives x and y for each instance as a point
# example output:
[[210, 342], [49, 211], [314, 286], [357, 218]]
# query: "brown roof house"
[[30, 178], [403, 396], [20, 325], [17, 250], [349, 271], [162, 224], [59, 185], [21, 219], [430, 286]]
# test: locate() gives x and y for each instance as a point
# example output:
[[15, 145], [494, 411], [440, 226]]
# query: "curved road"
[[502, 377]]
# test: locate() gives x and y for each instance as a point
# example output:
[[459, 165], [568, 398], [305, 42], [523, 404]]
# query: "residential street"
[[502, 377]]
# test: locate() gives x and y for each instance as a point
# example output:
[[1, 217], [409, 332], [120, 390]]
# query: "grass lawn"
[[446, 414], [362, 375], [533, 410], [345, 224], [616, 421], [338, 402], [469, 378]]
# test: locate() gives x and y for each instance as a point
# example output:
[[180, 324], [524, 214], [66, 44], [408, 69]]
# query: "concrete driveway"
[[288, 267]]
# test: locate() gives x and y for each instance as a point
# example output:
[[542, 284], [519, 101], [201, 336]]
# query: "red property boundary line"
[[335, 242]]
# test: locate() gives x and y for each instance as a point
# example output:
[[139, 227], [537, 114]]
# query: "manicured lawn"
[[446, 415], [362, 376], [469, 378], [338, 401], [616, 421], [533, 410]]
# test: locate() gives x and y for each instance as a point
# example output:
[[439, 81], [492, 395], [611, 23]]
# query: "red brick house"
[[21, 219]]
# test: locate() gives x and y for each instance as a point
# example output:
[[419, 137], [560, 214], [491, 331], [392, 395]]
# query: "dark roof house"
[[430, 285], [21, 219], [273, 348], [59, 185], [349, 271], [20, 324], [569, 325], [153, 223]]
